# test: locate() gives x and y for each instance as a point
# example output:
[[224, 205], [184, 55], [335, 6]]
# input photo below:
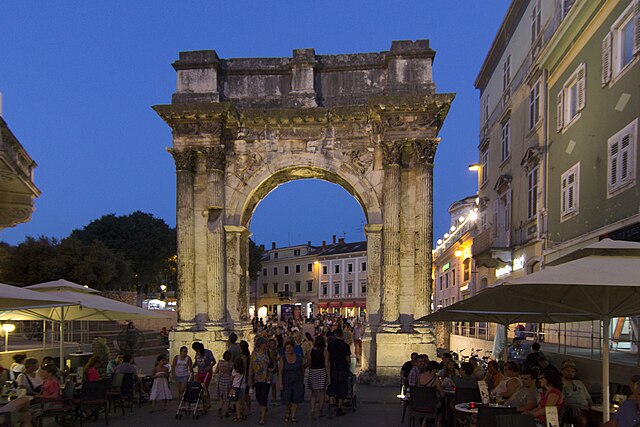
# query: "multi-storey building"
[[594, 107], [288, 278], [288, 282], [511, 164], [17, 187], [343, 278], [453, 267]]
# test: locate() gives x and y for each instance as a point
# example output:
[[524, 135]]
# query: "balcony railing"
[[285, 294]]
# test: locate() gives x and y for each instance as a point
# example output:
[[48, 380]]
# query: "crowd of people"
[[529, 387], [285, 362]]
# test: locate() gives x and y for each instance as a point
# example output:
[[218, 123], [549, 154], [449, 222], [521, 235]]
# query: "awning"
[[349, 304], [335, 304], [361, 303], [323, 304]]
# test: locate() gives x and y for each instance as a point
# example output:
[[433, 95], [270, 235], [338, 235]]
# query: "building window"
[[286, 287], [296, 252], [532, 193], [571, 98], [309, 285], [264, 288], [534, 104], [297, 286], [506, 140], [336, 288], [484, 164], [325, 289], [325, 269], [618, 46], [275, 288], [297, 268], [275, 271], [286, 269], [446, 281], [440, 282], [309, 267], [453, 278], [275, 255], [466, 270], [506, 75], [349, 288], [363, 266], [264, 271], [485, 110], [536, 19], [349, 268], [336, 268], [363, 287], [621, 159], [570, 192]]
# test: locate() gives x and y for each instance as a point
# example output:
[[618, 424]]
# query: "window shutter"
[[496, 216], [571, 199], [636, 20], [625, 157], [582, 86], [563, 192], [606, 59], [613, 159], [507, 219], [560, 109]]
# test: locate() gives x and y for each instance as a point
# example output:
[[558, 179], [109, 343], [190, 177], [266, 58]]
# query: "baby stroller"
[[352, 399], [194, 401]]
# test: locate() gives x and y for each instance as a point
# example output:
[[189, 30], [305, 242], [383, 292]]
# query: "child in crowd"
[[239, 382], [160, 389], [224, 369]]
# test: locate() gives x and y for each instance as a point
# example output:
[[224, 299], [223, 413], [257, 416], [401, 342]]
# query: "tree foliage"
[[147, 243], [255, 260]]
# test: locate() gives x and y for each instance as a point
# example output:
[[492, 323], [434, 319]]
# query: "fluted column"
[[237, 274], [185, 162], [424, 150], [374, 269], [392, 153], [216, 291]]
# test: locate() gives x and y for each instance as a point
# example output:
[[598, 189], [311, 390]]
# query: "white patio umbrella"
[[593, 286], [14, 298], [81, 303]]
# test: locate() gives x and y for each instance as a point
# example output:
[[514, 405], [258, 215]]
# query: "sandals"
[[293, 420], [236, 419], [286, 418], [261, 422]]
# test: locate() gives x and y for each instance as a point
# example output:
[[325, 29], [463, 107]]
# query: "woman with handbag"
[[261, 369], [237, 390], [291, 380]]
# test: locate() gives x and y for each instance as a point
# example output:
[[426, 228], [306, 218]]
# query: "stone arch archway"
[[368, 122]]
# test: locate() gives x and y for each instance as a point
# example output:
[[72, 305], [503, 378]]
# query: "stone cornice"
[[184, 159], [215, 157]]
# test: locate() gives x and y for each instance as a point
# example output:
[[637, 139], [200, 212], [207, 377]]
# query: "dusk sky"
[[79, 78]]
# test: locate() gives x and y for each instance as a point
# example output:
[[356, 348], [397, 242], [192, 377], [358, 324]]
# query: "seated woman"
[[91, 372], [450, 374], [551, 384], [428, 377], [29, 379]]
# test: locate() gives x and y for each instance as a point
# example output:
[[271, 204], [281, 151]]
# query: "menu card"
[[484, 391], [551, 414]]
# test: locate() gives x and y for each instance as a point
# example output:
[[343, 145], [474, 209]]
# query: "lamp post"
[[7, 328]]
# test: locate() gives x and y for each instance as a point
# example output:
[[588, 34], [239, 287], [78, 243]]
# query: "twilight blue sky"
[[79, 77]]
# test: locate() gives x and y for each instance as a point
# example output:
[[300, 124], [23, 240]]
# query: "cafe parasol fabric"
[[13, 297]]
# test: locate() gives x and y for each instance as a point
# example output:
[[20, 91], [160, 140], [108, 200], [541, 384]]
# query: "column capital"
[[214, 156], [237, 229], [425, 149], [184, 159], [373, 228], [392, 152]]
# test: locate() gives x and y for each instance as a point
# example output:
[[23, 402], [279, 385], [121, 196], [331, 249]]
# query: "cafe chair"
[[515, 420], [467, 394], [61, 408], [423, 403], [487, 415], [93, 399]]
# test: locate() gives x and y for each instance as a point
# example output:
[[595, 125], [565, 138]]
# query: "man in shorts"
[[339, 360]]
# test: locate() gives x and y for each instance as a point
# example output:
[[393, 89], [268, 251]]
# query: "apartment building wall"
[[593, 150]]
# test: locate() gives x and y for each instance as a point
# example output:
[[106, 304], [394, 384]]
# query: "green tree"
[[145, 242], [26, 263], [255, 260]]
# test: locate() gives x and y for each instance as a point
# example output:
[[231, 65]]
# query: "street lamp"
[[474, 167], [7, 327]]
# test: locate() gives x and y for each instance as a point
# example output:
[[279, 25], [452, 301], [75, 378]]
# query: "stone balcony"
[[17, 187], [489, 250]]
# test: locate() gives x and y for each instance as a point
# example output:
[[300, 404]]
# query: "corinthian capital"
[[185, 159], [425, 149], [214, 157], [392, 152]]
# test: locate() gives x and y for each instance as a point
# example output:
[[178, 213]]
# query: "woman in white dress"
[[160, 389]]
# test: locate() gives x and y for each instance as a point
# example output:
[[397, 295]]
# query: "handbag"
[[234, 394]]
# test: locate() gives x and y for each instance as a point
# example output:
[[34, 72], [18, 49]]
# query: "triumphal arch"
[[368, 122]]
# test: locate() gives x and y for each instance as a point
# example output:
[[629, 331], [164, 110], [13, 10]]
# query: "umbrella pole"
[[605, 369], [61, 337], [44, 333]]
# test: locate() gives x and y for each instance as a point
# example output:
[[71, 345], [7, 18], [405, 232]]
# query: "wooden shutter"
[[563, 193], [560, 109], [507, 219], [625, 157], [582, 86], [571, 191], [613, 160], [606, 59], [636, 33]]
